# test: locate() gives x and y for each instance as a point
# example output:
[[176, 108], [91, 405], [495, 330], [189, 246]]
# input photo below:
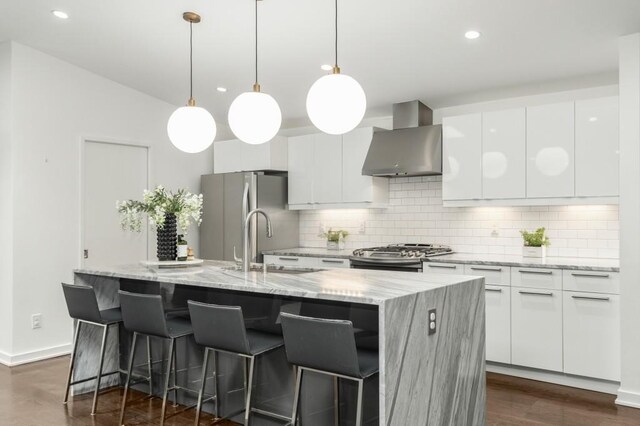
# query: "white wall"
[[629, 393], [416, 215], [59, 104], [6, 205]]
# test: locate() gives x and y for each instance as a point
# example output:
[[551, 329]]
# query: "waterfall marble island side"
[[434, 379]]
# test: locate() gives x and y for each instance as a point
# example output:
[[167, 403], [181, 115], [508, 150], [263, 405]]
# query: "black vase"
[[168, 239]]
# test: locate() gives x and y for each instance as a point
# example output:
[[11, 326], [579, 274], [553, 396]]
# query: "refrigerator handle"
[[245, 201]]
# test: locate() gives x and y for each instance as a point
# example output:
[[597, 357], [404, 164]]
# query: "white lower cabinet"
[[536, 328], [498, 323], [592, 335]]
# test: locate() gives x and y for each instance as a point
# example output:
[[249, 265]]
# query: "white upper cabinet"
[[237, 156], [550, 151], [503, 154], [301, 164], [325, 171], [597, 147], [461, 157]]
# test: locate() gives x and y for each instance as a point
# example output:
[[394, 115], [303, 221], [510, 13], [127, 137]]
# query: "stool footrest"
[[77, 382]]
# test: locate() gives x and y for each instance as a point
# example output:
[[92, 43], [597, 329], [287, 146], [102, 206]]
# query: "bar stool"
[[222, 329], [326, 346], [144, 314], [82, 305]]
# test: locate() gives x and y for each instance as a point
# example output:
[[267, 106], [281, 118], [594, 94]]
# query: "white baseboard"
[[33, 356], [628, 398], [558, 379]]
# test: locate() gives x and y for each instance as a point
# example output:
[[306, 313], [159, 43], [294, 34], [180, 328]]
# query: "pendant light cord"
[[336, 30], [256, 41], [190, 60]]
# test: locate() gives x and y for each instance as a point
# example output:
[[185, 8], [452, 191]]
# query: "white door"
[[498, 323], [327, 169], [550, 150], [503, 154], [597, 147], [111, 172], [461, 157], [356, 188], [301, 164]]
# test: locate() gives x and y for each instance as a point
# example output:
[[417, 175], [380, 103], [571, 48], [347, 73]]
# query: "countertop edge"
[[559, 265]]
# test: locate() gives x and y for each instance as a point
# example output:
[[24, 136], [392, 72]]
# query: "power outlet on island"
[[433, 322], [36, 321]]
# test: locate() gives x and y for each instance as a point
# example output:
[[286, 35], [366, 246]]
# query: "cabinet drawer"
[[299, 261], [536, 328], [331, 262], [443, 268], [497, 275], [592, 335], [591, 281], [498, 323], [536, 278]]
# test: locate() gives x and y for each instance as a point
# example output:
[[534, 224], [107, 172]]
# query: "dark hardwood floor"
[[32, 395]]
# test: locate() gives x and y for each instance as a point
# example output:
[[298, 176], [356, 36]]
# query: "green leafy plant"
[[334, 236], [187, 208], [536, 238]]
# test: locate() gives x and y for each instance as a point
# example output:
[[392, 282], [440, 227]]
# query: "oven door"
[[359, 263]]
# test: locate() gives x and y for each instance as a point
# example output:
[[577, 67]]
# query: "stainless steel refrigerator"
[[227, 199]]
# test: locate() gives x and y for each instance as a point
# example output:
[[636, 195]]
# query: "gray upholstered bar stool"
[[82, 305], [144, 315], [326, 346], [222, 329]]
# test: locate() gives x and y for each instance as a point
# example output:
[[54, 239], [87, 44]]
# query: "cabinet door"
[[498, 323], [503, 154], [536, 328], [442, 268], [227, 156], [597, 147], [355, 187], [592, 335], [301, 164], [327, 169], [461, 157], [550, 150]]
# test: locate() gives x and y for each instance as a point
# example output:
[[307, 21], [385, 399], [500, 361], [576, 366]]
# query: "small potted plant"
[[335, 239], [535, 243]]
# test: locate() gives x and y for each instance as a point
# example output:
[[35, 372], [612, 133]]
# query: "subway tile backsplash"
[[416, 215]]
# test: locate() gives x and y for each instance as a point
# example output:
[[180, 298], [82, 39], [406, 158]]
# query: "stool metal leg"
[[126, 383], [215, 382], [175, 376], [72, 361], [99, 375], [167, 380], [247, 412], [204, 378], [336, 400], [296, 397], [359, 408], [150, 365]]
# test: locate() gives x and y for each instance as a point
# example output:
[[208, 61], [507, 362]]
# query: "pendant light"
[[255, 117], [191, 128], [336, 102]]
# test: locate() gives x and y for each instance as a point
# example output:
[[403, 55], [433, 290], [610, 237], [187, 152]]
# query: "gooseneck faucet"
[[246, 250]]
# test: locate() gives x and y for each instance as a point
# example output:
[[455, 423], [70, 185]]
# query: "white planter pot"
[[335, 245], [539, 252]]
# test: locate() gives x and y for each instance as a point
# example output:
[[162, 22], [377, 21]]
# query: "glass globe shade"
[[254, 117], [191, 129], [336, 104]]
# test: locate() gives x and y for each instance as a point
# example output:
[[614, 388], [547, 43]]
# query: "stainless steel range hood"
[[412, 148]]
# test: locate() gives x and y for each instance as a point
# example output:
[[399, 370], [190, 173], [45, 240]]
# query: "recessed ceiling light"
[[221, 89], [592, 119], [326, 67], [60, 14], [472, 34]]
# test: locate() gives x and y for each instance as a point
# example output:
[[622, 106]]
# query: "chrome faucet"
[[246, 250]]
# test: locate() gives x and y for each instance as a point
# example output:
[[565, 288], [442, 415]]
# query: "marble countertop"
[[310, 252], [583, 264], [347, 285]]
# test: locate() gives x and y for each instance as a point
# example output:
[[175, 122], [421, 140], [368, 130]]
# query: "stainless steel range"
[[396, 257]]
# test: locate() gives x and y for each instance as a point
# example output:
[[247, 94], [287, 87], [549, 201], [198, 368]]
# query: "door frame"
[[84, 140]]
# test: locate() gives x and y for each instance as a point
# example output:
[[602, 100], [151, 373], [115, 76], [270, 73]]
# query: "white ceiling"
[[398, 49]]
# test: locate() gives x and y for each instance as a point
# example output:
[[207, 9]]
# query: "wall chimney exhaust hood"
[[412, 148]]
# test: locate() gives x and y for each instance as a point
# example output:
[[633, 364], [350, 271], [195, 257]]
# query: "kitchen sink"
[[276, 269]]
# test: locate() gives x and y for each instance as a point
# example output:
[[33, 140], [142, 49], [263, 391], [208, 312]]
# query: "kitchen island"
[[425, 378]]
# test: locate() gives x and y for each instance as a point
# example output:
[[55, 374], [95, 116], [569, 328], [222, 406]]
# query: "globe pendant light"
[[336, 102], [255, 117], [191, 128]]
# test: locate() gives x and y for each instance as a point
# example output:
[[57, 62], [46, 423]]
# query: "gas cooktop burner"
[[401, 252]]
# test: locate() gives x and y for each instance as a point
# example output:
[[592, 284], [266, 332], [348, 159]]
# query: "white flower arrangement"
[[187, 208]]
